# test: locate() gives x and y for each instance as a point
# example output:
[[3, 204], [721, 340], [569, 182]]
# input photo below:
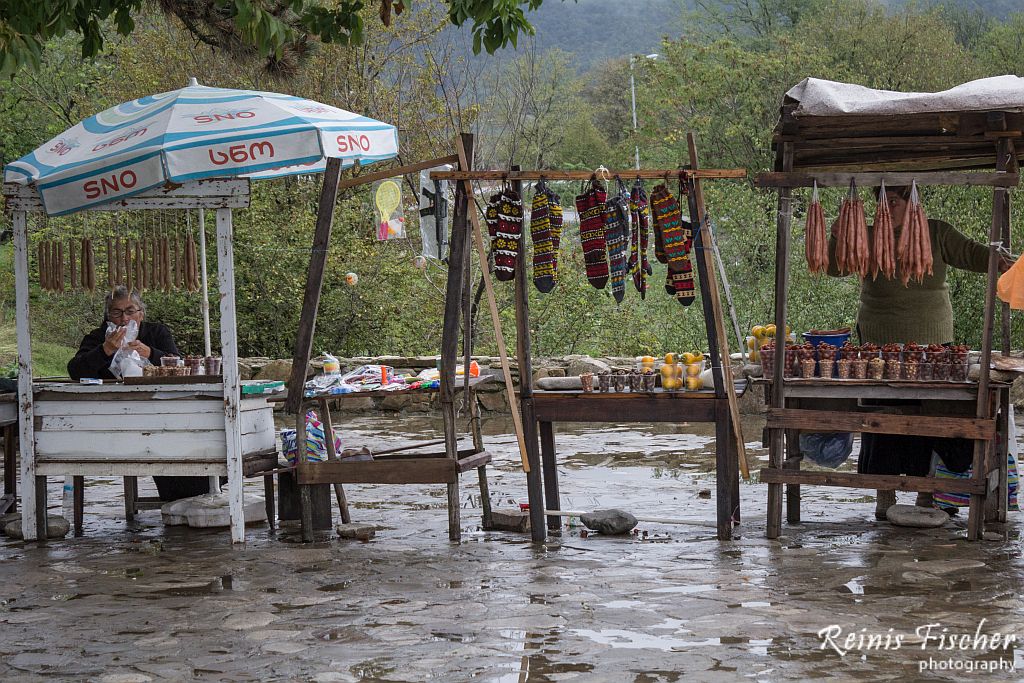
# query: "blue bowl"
[[836, 340]]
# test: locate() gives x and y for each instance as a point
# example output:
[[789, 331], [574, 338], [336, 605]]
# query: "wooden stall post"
[[776, 435], [26, 414], [716, 304], [450, 334], [229, 369], [535, 484], [307, 326], [469, 397]]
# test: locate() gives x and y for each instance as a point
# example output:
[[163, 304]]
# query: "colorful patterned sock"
[[555, 216], [509, 233], [491, 217], [659, 239], [590, 206], [677, 236], [616, 214], [639, 266], [540, 232]]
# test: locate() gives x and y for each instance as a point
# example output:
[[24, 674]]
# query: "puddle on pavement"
[[496, 607]]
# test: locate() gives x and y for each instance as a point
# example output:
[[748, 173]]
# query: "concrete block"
[[510, 520], [360, 532]]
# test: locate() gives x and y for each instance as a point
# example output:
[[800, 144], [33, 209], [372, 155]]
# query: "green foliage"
[[267, 27]]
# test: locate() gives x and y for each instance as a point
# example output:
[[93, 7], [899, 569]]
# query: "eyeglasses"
[[118, 312]]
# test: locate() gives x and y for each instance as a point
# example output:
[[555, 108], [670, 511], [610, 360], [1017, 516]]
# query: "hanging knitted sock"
[[509, 233], [640, 267], [540, 232], [555, 217], [590, 206], [677, 238], [659, 238], [615, 217], [491, 216]]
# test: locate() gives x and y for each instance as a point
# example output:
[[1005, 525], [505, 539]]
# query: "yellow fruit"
[[694, 369], [788, 330], [679, 370], [668, 370], [757, 331], [647, 360], [694, 383], [687, 357], [751, 342], [669, 383], [670, 358], [697, 356], [770, 330]]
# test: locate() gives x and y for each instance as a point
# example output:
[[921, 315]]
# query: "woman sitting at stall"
[[154, 341], [891, 312], [97, 350]]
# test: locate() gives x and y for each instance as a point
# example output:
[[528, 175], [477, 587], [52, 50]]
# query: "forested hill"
[[595, 30]]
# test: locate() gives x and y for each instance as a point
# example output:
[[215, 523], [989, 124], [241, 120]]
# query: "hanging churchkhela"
[[914, 252], [883, 241], [815, 238], [852, 246]]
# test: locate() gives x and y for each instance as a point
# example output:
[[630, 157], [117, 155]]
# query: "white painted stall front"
[[138, 430]]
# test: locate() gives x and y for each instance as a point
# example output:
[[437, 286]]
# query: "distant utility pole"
[[632, 91]]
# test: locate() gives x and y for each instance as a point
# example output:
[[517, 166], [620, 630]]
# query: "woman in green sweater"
[[922, 312]]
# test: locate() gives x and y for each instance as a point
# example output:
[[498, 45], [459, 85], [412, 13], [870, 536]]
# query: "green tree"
[[1001, 49], [275, 29]]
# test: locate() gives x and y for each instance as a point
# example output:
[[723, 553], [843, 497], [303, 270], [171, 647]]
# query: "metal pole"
[[206, 291], [740, 339], [632, 91]]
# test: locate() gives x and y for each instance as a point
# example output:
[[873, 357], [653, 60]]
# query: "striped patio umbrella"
[[193, 133]]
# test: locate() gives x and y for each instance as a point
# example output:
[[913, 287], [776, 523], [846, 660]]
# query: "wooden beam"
[[404, 471], [492, 305], [722, 337], [396, 171], [734, 173], [217, 193], [807, 179], [776, 441], [881, 423], [314, 285], [26, 402], [882, 482]]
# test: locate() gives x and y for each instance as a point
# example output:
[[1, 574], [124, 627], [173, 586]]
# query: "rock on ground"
[[211, 510], [610, 522], [560, 383], [914, 516], [360, 532], [587, 364], [56, 526]]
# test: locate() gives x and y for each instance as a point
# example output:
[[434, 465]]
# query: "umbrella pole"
[[206, 292]]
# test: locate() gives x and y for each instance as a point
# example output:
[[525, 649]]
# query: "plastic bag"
[[433, 205], [828, 449], [126, 363], [1010, 286], [316, 441]]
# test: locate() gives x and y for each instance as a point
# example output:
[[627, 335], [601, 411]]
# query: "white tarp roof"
[[818, 97]]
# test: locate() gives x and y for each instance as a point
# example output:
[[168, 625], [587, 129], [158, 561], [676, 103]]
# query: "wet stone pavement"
[[153, 603]]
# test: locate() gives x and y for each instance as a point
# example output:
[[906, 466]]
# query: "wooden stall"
[[115, 429], [414, 466], [930, 145], [540, 410]]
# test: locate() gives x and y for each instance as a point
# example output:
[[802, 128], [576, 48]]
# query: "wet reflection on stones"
[[169, 603]]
